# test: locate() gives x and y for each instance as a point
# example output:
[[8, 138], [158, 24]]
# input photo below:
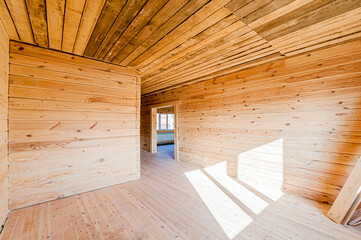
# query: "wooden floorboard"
[[177, 200]]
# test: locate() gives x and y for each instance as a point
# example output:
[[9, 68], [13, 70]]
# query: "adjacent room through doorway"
[[163, 129]]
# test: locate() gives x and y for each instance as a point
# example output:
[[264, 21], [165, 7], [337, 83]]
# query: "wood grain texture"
[[89, 18], [334, 30], [19, 14], [349, 199], [8, 22], [210, 13], [125, 17], [55, 19], [4, 79], [303, 112], [106, 19], [72, 17], [112, 48], [176, 200], [179, 42], [154, 26], [74, 125], [37, 16]]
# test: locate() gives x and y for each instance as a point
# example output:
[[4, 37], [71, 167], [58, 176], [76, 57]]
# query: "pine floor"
[[175, 200]]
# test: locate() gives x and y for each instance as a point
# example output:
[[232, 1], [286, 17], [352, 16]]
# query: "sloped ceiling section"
[[179, 42]]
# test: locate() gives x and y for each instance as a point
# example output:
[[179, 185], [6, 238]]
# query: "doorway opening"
[[163, 137]]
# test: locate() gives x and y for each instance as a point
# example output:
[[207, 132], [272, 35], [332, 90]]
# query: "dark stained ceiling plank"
[[106, 19], [146, 14], [37, 15], [203, 13], [92, 10], [266, 9], [125, 17], [186, 12], [250, 8], [234, 5], [305, 16], [152, 26]]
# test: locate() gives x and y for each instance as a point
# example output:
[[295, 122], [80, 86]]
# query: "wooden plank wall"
[[4, 79], [299, 117], [73, 124]]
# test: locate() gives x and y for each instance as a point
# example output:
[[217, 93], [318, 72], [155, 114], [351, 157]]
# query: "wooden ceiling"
[[179, 42]]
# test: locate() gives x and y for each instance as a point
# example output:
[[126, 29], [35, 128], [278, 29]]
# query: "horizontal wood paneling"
[[74, 125], [298, 118], [4, 80]]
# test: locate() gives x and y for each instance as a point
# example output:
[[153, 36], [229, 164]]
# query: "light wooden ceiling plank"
[[73, 13], [234, 5], [266, 9], [220, 73], [195, 67], [264, 19], [248, 59], [306, 16], [8, 22], [210, 62], [216, 31], [217, 63], [89, 19], [223, 45], [334, 28], [329, 42], [19, 14], [55, 10], [313, 59], [206, 23]]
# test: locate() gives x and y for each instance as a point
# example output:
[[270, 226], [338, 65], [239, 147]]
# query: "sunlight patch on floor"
[[228, 214], [259, 182], [247, 197]]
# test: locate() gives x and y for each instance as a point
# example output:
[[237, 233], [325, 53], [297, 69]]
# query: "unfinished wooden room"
[[180, 119]]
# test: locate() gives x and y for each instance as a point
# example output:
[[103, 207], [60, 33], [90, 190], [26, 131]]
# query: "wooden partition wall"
[[298, 118], [4, 74], [73, 123]]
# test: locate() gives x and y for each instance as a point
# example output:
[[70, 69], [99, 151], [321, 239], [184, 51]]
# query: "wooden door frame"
[[153, 126]]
